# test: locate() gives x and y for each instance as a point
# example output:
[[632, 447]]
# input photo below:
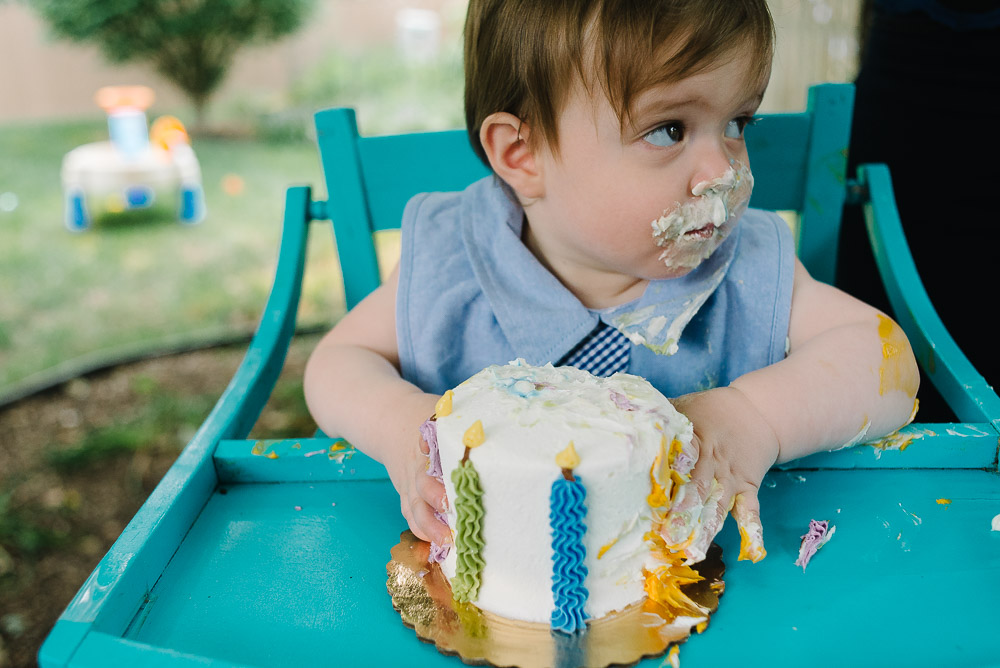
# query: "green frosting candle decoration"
[[469, 522]]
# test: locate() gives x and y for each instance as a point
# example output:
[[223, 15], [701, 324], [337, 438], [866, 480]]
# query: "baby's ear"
[[505, 139]]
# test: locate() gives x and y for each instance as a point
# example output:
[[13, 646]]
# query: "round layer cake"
[[556, 482]]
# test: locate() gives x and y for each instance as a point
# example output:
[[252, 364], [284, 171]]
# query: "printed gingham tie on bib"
[[602, 352]]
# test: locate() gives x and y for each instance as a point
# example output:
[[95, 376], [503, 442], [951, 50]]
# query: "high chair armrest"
[[239, 406], [965, 390], [110, 597]]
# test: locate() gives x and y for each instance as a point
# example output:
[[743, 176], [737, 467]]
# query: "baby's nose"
[[713, 170], [725, 181]]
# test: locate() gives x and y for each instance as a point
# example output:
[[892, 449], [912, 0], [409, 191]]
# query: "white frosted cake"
[[558, 483]]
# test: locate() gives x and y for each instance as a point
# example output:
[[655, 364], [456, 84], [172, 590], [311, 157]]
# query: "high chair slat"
[[965, 390]]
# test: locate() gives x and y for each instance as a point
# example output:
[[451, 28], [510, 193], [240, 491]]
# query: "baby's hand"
[[734, 447], [421, 496]]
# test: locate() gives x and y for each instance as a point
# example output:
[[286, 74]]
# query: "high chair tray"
[[284, 565]]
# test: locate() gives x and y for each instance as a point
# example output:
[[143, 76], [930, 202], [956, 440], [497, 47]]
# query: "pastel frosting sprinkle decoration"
[[566, 514], [468, 532]]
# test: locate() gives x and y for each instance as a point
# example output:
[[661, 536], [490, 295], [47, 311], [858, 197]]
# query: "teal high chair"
[[273, 553]]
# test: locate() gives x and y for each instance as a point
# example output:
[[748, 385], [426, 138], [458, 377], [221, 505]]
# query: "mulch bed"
[[63, 519]]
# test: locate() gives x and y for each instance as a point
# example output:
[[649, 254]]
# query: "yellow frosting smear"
[[943, 502], [657, 496], [605, 548], [663, 584], [675, 449], [750, 550], [895, 373], [682, 546], [474, 435], [443, 405], [676, 481], [568, 459]]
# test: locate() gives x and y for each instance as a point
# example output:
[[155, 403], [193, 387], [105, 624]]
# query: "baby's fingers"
[[431, 490], [683, 516], [425, 523], [746, 511], [713, 515]]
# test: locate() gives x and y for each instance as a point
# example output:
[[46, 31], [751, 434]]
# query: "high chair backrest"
[[798, 161]]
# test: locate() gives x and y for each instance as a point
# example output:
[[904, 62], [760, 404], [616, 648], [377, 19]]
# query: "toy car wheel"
[[77, 218], [192, 205]]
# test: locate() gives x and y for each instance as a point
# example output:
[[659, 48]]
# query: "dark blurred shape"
[[928, 105]]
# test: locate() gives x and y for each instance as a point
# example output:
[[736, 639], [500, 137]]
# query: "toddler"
[[614, 235]]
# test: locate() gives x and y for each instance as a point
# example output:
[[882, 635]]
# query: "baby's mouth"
[[690, 232], [704, 232]]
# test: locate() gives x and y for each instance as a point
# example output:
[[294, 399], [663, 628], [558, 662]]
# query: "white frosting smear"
[[690, 232], [644, 328]]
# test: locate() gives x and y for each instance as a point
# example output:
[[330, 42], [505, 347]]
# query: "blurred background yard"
[[85, 436]]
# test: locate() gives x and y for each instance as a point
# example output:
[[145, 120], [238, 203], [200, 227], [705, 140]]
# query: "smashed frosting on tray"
[[816, 537]]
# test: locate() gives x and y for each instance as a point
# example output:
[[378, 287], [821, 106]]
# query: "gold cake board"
[[422, 596]]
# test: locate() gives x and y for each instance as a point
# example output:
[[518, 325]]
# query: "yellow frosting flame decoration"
[[474, 435], [568, 459], [443, 405]]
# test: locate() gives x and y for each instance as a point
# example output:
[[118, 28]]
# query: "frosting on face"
[[690, 232]]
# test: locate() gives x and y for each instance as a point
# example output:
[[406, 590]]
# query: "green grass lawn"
[[140, 280], [134, 282]]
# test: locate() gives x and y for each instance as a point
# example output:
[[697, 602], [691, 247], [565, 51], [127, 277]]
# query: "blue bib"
[[471, 294]]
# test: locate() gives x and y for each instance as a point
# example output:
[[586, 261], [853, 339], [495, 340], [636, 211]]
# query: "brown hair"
[[521, 56]]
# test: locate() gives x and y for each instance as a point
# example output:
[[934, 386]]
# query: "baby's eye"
[[667, 134], [735, 127]]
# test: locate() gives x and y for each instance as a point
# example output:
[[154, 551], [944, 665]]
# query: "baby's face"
[[656, 200]]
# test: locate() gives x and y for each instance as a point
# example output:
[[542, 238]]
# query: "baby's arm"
[[354, 390], [849, 374]]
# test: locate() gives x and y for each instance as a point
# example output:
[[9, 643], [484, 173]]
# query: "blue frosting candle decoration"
[[566, 514]]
